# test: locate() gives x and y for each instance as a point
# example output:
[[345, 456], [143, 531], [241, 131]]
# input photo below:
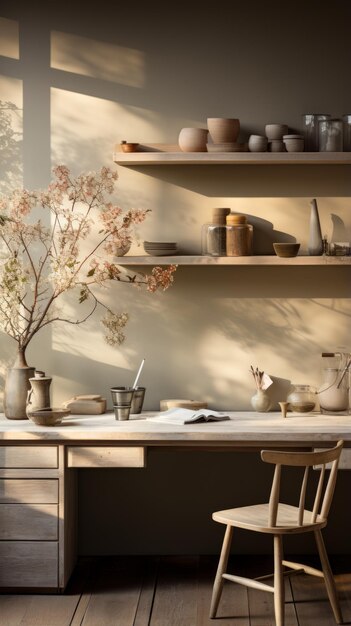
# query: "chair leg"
[[278, 581], [328, 577], [222, 566]]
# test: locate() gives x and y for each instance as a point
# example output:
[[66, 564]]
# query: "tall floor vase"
[[17, 386]]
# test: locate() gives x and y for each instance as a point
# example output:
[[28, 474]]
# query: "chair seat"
[[256, 518]]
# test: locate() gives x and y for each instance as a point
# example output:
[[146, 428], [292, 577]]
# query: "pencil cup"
[[122, 396], [138, 400], [121, 412]]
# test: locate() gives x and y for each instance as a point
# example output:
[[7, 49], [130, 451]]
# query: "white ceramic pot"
[[223, 129], [258, 143], [261, 401], [193, 139], [294, 143], [276, 145]]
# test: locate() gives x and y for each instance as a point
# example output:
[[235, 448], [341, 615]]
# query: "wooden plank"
[[28, 564], [98, 456], [173, 156], [28, 456], [146, 598], [253, 261], [175, 597], [28, 473], [68, 515], [28, 491], [28, 522], [116, 590]]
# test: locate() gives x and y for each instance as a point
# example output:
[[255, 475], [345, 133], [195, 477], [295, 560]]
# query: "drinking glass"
[[310, 129]]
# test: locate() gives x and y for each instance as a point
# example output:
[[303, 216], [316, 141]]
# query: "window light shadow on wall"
[[97, 59], [9, 38]]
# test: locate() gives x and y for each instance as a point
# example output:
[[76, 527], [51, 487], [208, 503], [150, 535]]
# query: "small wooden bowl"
[[286, 249], [48, 417], [129, 147]]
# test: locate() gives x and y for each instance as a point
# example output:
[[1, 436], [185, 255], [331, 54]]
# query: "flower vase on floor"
[[261, 401], [315, 242], [16, 388]]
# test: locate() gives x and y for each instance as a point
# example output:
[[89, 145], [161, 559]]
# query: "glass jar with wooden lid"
[[239, 235]]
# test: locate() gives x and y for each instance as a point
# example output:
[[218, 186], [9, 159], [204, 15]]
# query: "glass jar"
[[310, 129], [346, 132], [334, 392], [239, 236], [302, 399], [330, 135], [214, 240]]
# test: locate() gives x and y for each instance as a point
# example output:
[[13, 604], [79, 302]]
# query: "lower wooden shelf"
[[227, 260]]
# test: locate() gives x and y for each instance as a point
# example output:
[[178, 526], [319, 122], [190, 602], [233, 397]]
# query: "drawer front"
[[28, 456], [31, 521], [28, 564], [95, 456], [27, 490]]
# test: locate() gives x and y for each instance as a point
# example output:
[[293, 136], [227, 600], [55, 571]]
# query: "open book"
[[187, 416]]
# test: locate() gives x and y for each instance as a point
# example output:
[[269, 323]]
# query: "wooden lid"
[[233, 218]]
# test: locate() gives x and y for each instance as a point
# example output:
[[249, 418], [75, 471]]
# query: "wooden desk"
[[38, 486]]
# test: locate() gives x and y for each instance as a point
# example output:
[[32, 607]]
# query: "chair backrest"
[[307, 460]]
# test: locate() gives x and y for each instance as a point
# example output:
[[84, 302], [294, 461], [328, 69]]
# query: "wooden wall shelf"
[[164, 154], [255, 261]]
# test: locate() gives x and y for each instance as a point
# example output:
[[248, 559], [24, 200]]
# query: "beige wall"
[[90, 78]]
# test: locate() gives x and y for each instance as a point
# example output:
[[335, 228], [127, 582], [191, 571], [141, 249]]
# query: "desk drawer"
[[28, 490], [28, 564], [28, 456], [29, 521], [107, 456]]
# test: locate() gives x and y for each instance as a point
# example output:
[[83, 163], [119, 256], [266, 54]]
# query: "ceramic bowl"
[[294, 143], [223, 129], [48, 417], [275, 131], [286, 249], [193, 139], [276, 145], [129, 147]]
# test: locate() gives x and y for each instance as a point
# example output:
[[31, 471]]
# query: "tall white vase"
[[315, 242]]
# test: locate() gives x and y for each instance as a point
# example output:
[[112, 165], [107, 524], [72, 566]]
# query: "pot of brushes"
[[260, 401]]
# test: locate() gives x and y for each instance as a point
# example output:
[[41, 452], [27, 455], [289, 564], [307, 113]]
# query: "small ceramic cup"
[[138, 400], [276, 145], [121, 412], [122, 396], [258, 143], [276, 131]]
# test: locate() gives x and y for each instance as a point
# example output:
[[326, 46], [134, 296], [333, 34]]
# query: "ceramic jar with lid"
[[239, 235]]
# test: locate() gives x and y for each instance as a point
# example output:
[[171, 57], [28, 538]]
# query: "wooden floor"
[[174, 591]]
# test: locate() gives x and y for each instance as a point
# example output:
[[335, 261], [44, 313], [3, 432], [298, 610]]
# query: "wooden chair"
[[280, 519]]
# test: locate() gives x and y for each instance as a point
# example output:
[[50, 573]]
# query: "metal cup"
[[122, 396], [138, 400], [121, 412]]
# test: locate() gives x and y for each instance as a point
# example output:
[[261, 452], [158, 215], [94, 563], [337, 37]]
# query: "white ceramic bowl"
[[193, 139], [48, 417], [294, 144]]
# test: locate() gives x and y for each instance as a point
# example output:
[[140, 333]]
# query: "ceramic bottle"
[[315, 242]]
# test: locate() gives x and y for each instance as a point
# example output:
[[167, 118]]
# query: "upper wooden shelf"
[[298, 261], [164, 154]]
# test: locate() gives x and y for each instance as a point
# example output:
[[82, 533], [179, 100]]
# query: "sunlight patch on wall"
[[97, 59], [9, 38], [85, 129]]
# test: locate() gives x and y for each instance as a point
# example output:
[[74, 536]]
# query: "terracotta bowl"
[[129, 147], [48, 417], [286, 249]]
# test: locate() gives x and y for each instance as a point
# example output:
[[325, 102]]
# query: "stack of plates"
[[160, 248]]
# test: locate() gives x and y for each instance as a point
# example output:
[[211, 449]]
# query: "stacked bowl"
[[160, 248], [224, 133]]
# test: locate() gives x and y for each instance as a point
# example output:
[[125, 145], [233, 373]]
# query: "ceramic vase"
[[193, 139], [223, 130], [315, 241], [261, 401], [17, 386], [38, 396]]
